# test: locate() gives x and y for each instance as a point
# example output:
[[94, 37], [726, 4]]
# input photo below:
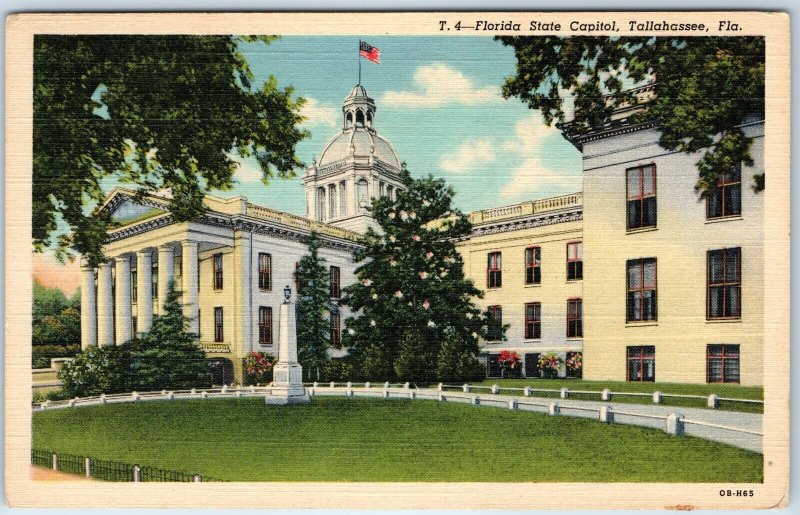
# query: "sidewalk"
[[43, 474]]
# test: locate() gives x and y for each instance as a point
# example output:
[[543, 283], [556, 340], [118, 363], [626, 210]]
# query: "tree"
[[56, 319], [166, 356], [155, 111], [94, 371], [313, 308], [411, 279], [413, 362], [705, 88], [457, 362]]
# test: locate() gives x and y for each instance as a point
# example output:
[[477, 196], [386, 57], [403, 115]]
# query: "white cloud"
[[439, 84], [249, 170], [532, 176], [471, 155], [319, 114]]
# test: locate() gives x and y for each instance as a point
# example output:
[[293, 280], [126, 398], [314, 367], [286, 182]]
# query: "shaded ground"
[[335, 439]]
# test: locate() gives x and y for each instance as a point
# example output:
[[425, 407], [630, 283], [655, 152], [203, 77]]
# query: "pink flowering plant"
[[549, 364], [574, 364], [509, 362], [258, 367]]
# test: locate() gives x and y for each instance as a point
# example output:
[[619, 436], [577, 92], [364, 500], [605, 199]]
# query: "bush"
[[94, 371], [338, 370], [470, 368], [412, 363], [43, 353], [258, 368], [456, 363], [374, 364]]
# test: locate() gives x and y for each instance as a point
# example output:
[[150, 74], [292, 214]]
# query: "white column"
[[88, 306], [144, 270], [166, 273], [105, 306], [122, 304], [191, 295]]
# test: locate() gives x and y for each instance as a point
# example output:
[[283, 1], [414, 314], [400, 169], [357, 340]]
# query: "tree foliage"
[[705, 88], [411, 286], [56, 318], [155, 111], [313, 308]]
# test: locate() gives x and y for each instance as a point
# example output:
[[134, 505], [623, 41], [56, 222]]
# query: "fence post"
[[565, 393], [333, 385], [386, 385], [102, 398], [606, 414], [527, 391], [475, 401], [87, 464], [316, 384], [675, 425], [54, 460], [465, 388], [495, 389], [137, 474], [553, 409], [197, 478], [386, 394], [442, 398], [135, 396], [658, 397], [366, 385], [605, 395], [407, 385], [349, 385], [512, 404], [349, 392], [440, 387], [713, 401]]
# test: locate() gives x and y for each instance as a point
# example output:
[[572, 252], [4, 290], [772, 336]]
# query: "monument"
[[287, 386]]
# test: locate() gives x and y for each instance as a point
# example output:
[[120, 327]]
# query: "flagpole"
[[358, 56]]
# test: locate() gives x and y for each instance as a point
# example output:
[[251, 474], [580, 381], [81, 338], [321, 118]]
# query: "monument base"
[[276, 399], [287, 387]]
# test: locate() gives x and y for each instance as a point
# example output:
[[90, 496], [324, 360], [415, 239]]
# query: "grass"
[[335, 439], [723, 390]]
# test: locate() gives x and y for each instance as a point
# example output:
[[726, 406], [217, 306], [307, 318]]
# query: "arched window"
[[348, 119], [362, 192], [369, 118], [359, 118]]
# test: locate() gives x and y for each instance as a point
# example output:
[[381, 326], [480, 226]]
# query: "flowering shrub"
[[258, 367], [549, 364], [509, 362], [574, 364]]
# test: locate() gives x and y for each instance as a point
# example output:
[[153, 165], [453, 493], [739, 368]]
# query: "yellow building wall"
[[680, 244]]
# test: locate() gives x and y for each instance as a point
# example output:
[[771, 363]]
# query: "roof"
[[359, 142]]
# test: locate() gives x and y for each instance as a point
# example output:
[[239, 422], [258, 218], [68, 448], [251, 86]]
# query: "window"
[[642, 363], [219, 334], [574, 318], [533, 265], [641, 290], [641, 196], [532, 365], [494, 272], [574, 260], [217, 271], [726, 198], [335, 282], [154, 281], [533, 321], [336, 329], [134, 288], [724, 283], [134, 325], [495, 330], [265, 325], [264, 272], [722, 363]]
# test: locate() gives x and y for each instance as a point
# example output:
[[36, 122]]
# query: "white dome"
[[359, 142]]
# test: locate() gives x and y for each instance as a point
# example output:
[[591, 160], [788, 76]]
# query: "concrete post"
[[605, 395], [137, 474], [465, 388], [442, 398], [553, 409], [54, 460], [88, 306], [658, 398], [512, 404], [527, 391], [386, 385], [495, 389], [386, 394], [412, 394], [565, 393], [197, 478], [87, 464], [367, 385], [475, 401], [713, 401], [407, 385], [606, 414], [440, 387], [675, 425]]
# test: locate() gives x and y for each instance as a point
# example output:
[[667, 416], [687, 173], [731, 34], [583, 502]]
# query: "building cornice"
[[525, 222]]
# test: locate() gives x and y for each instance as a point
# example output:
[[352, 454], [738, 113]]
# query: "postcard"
[[398, 260]]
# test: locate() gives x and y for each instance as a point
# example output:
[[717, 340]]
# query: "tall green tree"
[[705, 88], [154, 111], [313, 308], [411, 286], [56, 318]]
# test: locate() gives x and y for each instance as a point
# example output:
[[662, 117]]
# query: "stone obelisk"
[[287, 385]]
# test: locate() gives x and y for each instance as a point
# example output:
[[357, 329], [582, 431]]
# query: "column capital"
[[144, 252], [189, 243], [123, 258], [164, 247], [104, 265]]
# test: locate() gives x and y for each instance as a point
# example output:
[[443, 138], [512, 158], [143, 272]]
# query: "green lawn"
[[723, 390], [336, 439]]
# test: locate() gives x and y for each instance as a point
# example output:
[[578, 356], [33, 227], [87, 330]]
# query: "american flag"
[[370, 52]]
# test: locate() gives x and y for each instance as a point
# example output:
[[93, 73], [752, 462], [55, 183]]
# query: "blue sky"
[[438, 103]]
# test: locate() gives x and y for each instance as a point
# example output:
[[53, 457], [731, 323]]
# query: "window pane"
[[537, 275], [715, 267], [732, 301], [732, 370], [732, 265], [649, 212], [634, 214], [649, 305], [634, 275], [649, 370], [537, 256], [634, 183], [649, 273], [579, 247], [649, 180], [715, 203], [733, 200], [715, 301]]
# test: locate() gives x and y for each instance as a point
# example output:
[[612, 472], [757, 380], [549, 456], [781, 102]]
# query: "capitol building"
[[633, 275]]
